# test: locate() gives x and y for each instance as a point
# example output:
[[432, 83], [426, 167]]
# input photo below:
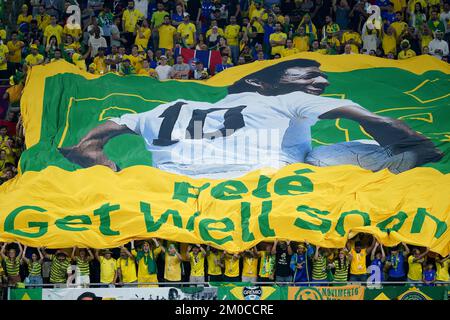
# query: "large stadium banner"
[[131, 293], [309, 147], [350, 292]]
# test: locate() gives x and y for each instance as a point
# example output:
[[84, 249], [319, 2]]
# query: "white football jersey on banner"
[[229, 138]]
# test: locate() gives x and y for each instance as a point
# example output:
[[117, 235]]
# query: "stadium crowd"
[[153, 261], [147, 37]]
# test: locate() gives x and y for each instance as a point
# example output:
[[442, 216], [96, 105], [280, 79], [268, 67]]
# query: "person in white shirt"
[[281, 101], [445, 18], [438, 47], [370, 39], [163, 70], [96, 41]]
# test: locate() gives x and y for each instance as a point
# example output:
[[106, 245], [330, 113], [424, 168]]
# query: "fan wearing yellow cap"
[[406, 51], [24, 17], [34, 58]]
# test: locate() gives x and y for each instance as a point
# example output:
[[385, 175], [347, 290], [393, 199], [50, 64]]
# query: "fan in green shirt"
[[158, 16]]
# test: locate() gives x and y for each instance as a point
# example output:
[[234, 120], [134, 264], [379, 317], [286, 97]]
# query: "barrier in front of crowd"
[[237, 291]]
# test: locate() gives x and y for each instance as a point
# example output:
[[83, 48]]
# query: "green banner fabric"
[[407, 293], [242, 292], [68, 115], [25, 294]]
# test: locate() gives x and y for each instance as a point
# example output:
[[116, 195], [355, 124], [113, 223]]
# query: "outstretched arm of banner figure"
[[389, 132], [89, 151]]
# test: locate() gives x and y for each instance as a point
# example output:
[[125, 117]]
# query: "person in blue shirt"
[[256, 50], [378, 258], [388, 16], [301, 264], [269, 28], [383, 4], [395, 263], [224, 65], [178, 15], [429, 275]]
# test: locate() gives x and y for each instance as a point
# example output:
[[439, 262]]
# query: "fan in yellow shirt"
[[15, 48], [250, 265], [79, 61], [130, 18], [53, 29], [257, 11], [34, 58], [75, 32], [197, 260], [143, 34], [425, 36], [232, 32], [289, 50], [100, 62], [166, 34], [412, 5], [302, 41], [415, 261], [187, 30], [399, 5], [146, 260], [231, 262], [310, 28], [172, 263], [353, 39], [147, 71], [389, 41], [92, 69], [442, 266], [277, 40], [4, 56], [108, 267], [126, 267], [135, 58], [43, 19], [215, 265], [399, 25], [24, 17], [406, 51], [210, 30]]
